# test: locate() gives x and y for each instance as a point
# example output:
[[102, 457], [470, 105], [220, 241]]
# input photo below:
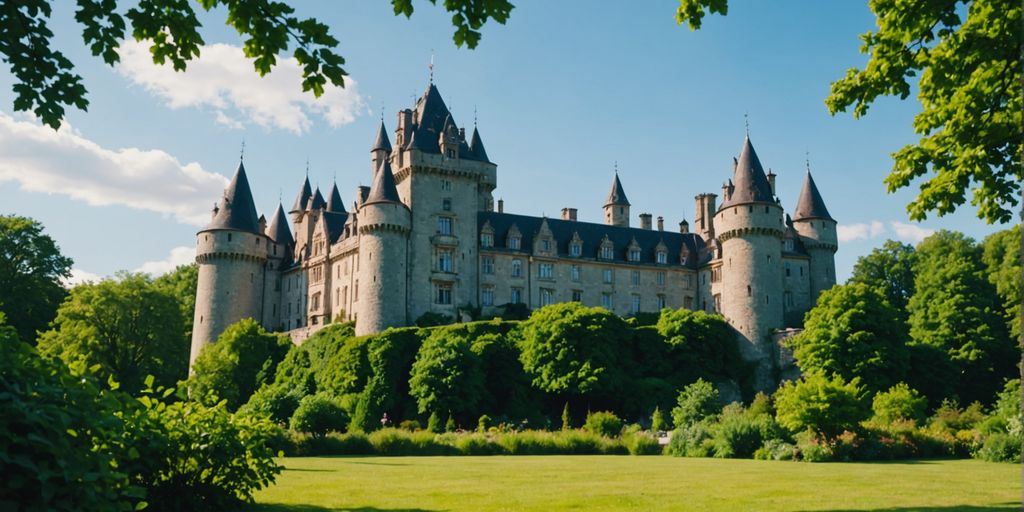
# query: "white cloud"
[[178, 256], [64, 162], [860, 231], [223, 79], [910, 232], [79, 276]]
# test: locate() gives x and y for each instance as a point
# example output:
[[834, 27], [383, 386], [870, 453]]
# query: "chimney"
[[263, 224], [684, 227], [568, 213], [462, 134], [501, 206], [771, 180], [645, 221], [725, 190], [661, 223]]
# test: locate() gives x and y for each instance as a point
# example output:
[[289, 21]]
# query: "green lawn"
[[385, 484]]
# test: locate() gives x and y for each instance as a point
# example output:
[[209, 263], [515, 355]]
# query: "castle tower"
[[334, 202], [817, 230], [231, 253], [616, 207], [305, 192], [381, 281], [381, 148], [704, 215], [749, 225], [279, 257]]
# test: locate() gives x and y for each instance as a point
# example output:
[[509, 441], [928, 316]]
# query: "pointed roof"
[[303, 198], [382, 139], [810, 205], [278, 230], [237, 209], [476, 147], [317, 201], [334, 202], [429, 117], [750, 185], [383, 189], [616, 196]]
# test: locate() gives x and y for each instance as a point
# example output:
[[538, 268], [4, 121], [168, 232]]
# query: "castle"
[[427, 237]]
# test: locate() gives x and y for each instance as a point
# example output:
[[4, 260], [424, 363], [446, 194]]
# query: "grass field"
[[601, 483]]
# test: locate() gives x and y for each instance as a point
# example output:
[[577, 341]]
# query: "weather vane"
[[616, 164], [241, 154], [807, 156], [307, 166], [746, 122], [474, 116], [431, 66]]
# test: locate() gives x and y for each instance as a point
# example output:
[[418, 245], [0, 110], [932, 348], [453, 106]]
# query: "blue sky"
[[562, 92]]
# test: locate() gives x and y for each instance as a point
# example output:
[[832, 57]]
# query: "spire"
[[382, 139], [383, 189], [334, 202], [303, 198], [317, 201], [810, 205], [616, 196], [476, 147], [278, 230], [237, 209], [749, 181]]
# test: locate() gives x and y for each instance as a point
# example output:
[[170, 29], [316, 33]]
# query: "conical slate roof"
[[334, 202], [303, 198], [616, 196], [383, 189], [382, 141], [237, 209], [750, 185], [429, 118], [317, 201], [810, 205], [476, 147], [278, 230]]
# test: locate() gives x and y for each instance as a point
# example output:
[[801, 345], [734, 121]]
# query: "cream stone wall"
[[821, 240], [383, 267]]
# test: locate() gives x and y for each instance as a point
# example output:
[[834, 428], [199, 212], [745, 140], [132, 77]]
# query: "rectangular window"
[[788, 271], [545, 245], [446, 185], [547, 297], [576, 249], [662, 257], [516, 295], [577, 295], [444, 225], [513, 243], [574, 273], [487, 265], [634, 255], [607, 253], [442, 293], [688, 302], [444, 261], [635, 278], [487, 296], [661, 302], [547, 270], [606, 275], [487, 240], [635, 306], [446, 204], [789, 299], [517, 268], [718, 302], [606, 301], [661, 279]]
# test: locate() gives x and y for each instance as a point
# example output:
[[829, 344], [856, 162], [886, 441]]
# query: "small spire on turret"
[[382, 143]]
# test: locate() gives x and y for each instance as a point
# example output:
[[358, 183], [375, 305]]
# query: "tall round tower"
[[817, 231], [231, 253], [381, 280], [749, 225]]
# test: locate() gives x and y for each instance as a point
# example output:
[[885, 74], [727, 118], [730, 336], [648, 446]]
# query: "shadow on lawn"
[[1002, 507], [282, 507]]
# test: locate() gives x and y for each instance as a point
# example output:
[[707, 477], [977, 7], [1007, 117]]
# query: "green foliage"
[[566, 419], [181, 284], [696, 402], [390, 357], [955, 310], [243, 359], [1000, 447], [277, 403], [603, 423], [483, 423], [431, 319], [900, 402], [450, 426], [737, 434], [641, 443], [31, 270], [691, 440], [700, 342], [434, 423], [447, 375], [823, 405], [889, 269], [319, 414], [776, 449], [127, 326], [1002, 258], [658, 420], [853, 332]]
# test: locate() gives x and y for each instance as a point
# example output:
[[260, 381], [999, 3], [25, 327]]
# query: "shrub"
[[696, 402], [950, 418], [641, 443], [736, 435], [811, 447], [431, 319], [244, 359], [566, 419], [692, 440], [410, 425], [483, 423], [449, 426], [900, 402], [826, 406], [477, 444], [319, 414], [434, 423], [352, 443], [274, 402], [603, 423], [391, 441], [775, 449], [658, 421], [1001, 447]]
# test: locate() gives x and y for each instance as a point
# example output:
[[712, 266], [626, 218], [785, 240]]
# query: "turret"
[[384, 227], [231, 253], [279, 256], [704, 215], [476, 147], [616, 207], [749, 226], [817, 230], [301, 199], [448, 140], [381, 148], [334, 202]]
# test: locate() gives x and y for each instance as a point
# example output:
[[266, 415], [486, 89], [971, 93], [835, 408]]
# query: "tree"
[[696, 402], [46, 82], [702, 344], [970, 123], [128, 326], [1002, 257], [853, 332], [244, 359], [890, 269], [955, 309], [826, 406], [181, 283], [446, 376], [31, 268], [319, 414], [899, 402]]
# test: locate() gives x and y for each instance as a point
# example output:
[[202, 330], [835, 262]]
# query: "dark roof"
[[278, 230], [750, 185], [317, 201], [237, 209], [334, 202], [383, 188], [429, 117], [303, 198], [593, 234], [362, 192], [476, 147], [382, 141], [616, 195], [335, 224], [810, 205]]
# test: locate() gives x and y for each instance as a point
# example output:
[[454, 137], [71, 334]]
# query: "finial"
[[431, 66], [746, 122], [616, 167], [807, 156], [307, 166], [382, 111], [474, 116], [241, 154]]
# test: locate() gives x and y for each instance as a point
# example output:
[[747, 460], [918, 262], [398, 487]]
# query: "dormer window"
[[514, 242], [634, 255], [545, 245], [662, 257], [576, 249], [607, 252], [487, 240]]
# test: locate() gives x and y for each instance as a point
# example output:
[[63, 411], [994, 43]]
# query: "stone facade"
[[426, 238]]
